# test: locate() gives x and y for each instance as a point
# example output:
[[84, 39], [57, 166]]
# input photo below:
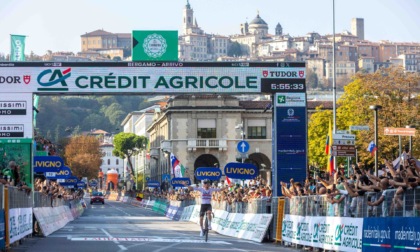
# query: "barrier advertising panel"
[[391, 234], [20, 223], [332, 233], [2, 230]]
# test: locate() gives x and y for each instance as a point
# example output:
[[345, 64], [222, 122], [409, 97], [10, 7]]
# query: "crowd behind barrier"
[[251, 222], [399, 205], [51, 209]]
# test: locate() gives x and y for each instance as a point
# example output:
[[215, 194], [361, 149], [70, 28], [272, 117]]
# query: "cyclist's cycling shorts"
[[204, 209]]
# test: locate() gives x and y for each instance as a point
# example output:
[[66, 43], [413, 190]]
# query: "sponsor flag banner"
[[17, 48]]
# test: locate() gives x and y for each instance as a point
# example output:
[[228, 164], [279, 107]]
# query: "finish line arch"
[[19, 81]]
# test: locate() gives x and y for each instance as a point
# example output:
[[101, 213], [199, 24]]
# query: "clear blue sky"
[[57, 25]]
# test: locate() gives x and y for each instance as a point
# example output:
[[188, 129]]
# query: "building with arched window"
[[203, 131]]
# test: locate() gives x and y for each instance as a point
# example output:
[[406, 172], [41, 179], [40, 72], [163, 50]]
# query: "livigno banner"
[[155, 46]]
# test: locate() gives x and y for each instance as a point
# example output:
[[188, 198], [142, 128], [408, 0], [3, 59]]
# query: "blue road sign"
[[166, 177], [243, 146]]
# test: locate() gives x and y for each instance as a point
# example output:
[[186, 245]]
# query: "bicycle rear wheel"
[[206, 229]]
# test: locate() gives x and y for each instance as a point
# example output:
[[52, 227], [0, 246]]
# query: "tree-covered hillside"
[[59, 116]]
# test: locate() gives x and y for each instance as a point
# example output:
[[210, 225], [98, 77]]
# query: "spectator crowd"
[[231, 193], [386, 189]]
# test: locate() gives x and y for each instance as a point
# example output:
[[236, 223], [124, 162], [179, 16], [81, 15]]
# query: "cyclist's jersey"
[[206, 194]]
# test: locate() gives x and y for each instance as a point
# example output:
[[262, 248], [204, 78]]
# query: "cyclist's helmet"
[[206, 181]]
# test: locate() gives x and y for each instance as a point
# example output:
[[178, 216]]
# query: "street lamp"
[[241, 127], [144, 166], [375, 108]]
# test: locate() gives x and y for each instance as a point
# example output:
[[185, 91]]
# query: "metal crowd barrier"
[[406, 204], [19, 198]]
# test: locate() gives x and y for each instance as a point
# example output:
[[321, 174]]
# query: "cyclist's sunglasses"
[[207, 182]]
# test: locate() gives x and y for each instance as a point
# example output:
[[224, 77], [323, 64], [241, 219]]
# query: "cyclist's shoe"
[[209, 226], [201, 232]]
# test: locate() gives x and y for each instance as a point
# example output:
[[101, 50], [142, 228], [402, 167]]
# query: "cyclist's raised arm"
[[188, 186]]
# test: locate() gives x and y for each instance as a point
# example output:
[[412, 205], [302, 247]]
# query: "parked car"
[[97, 197]]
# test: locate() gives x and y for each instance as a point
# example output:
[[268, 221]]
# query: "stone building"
[[203, 131]]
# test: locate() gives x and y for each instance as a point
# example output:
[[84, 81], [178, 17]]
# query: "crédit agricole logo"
[[54, 80]]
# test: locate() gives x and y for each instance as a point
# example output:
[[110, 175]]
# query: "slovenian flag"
[[178, 170], [372, 148]]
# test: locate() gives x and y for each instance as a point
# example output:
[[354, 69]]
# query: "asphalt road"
[[118, 226]]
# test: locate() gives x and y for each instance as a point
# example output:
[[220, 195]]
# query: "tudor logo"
[[265, 73], [26, 79], [301, 74]]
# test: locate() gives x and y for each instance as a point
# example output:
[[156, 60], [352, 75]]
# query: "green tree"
[[317, 134], [234, 50], [127, 145], [392, 88]]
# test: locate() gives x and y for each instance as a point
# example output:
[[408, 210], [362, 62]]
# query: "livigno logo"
[[155, 45]]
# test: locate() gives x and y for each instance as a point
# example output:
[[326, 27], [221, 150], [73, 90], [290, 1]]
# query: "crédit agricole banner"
[[78, 78]]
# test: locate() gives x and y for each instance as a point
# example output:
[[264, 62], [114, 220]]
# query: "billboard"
[[289, 139], [142, 77], [19, 151], [155, 46]]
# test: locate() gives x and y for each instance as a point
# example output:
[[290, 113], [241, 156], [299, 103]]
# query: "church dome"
[[258, 21]]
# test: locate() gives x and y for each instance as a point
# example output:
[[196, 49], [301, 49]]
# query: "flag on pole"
[[17, 47], [178, 170], [330, 165], [228, 180], [372, 148]]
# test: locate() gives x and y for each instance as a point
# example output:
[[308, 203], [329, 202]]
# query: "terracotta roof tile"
[[97, 33]]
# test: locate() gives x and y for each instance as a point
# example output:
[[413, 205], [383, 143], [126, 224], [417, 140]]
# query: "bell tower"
[[188, 15]]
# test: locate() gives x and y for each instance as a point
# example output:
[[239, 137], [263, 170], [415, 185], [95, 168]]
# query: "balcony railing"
[[166, 146], [220, 144], [154, 153]]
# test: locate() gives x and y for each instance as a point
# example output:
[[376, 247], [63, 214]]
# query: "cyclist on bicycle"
[[206, 192]]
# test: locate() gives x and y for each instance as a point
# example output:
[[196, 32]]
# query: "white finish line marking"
[[141, 239]]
